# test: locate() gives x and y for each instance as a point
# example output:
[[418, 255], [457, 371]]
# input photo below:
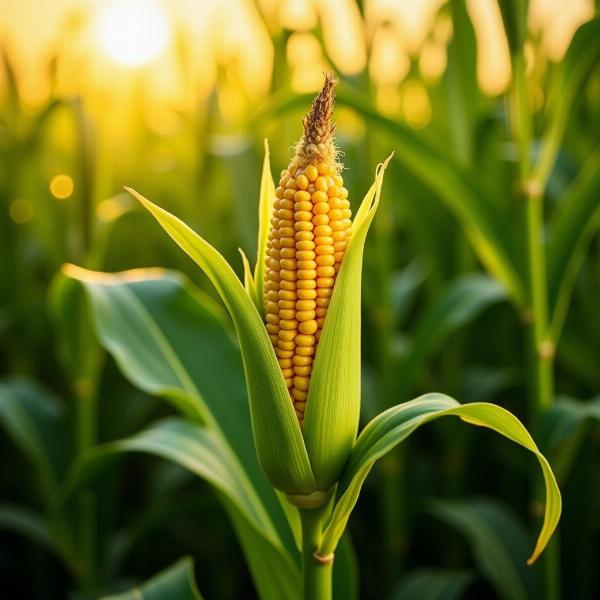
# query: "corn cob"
[[310, 229]]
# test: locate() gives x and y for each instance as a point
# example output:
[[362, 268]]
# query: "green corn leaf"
[[345, 571], [273, 572], [204, 453], [170, 339], [514, 17], [573, 71], [570, 231], [177, 582], [462, 91], [433, 584], [277, 434], [563, 430], [194, 447], [462, 301], [333, 404], [78, 349], [389, 428], [23, 521], [565, 417], [265, 210], [498, 542], [488, 230], [34, 419]]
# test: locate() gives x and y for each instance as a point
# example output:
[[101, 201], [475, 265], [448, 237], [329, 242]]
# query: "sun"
[[132, 32]]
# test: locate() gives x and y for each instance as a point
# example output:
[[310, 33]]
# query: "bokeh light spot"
[[109, 210], [21, 211], [61, 187], [415, 104]]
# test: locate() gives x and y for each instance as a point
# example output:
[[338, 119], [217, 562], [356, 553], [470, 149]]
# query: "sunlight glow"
[[132, 32]]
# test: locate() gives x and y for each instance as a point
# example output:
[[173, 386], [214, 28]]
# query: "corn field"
[[299, 299]]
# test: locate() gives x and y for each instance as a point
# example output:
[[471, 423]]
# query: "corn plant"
[[290, 465]]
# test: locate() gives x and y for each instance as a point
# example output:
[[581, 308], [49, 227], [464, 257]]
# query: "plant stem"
[[542, 347], [316, 573], [541, 344], [86, 425]]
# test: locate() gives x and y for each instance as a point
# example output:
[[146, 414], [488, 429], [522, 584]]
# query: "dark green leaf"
[[34, 419], [432, 584], [175, 583], [498, 541], [27, 523], [170, 339], [463, 301], [572, 72], [570, 231], [204, 453]]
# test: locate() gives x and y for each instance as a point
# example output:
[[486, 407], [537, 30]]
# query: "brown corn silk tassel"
[[310, 230]]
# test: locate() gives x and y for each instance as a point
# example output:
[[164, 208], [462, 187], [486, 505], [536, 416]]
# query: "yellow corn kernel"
[[311, 172]]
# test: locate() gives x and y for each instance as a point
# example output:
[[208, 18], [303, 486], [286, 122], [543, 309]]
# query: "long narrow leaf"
[[194, 447], [433, 584], [177, 581], [389, 428], [33, 418], [277, 432], [461, 302], [571, 228], [25, 522], [581, 58], [204, 453], [170, 339], [498, 542]]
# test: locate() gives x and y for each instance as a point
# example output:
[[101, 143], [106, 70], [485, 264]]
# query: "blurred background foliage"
[[175, 99]]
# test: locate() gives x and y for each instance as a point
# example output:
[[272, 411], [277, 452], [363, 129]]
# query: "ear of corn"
[[312, 262], [318, 367], [310, 230]]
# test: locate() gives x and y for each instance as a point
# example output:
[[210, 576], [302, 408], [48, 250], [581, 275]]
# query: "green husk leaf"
[[277, 434], [249, 284], [394, 425], [333, 404], [265, 210]]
